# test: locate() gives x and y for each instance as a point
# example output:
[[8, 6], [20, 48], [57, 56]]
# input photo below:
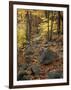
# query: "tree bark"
[[51, 27], [58, 30], [47, 13], [28, 26]]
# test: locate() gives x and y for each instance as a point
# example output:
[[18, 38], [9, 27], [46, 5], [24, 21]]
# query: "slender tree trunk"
[[51, 27], [48, 27], [28, 26], [61, 17], [47, 16], [58, 30]]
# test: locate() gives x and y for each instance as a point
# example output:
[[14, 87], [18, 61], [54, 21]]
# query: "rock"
[[27, 59], [20, 76], [23, 77], [23, 71], [28, 51], [35, 69], [26, 77], [55, 75], [47, 56], [24, 66]]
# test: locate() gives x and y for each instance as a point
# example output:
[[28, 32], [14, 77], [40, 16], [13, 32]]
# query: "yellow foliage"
[[21, 37], [44, 26]]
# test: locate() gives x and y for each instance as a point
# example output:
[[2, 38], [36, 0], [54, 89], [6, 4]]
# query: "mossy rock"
[[23, 77], [55, 75], [47, 56], [28, 51], [26, 77], [20, 76], [35, 69], [28, 59], [24, 66]]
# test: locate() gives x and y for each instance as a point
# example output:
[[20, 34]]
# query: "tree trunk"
[[51, 27], [58, 30], [28, 26], [47, 16]]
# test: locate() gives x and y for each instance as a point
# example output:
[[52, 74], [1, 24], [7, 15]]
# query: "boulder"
[[23, 71], [55, 75], [35, 69], [47, 56]]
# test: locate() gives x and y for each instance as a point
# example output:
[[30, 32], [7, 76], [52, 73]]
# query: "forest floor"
[[35, 68], [56, 66]]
